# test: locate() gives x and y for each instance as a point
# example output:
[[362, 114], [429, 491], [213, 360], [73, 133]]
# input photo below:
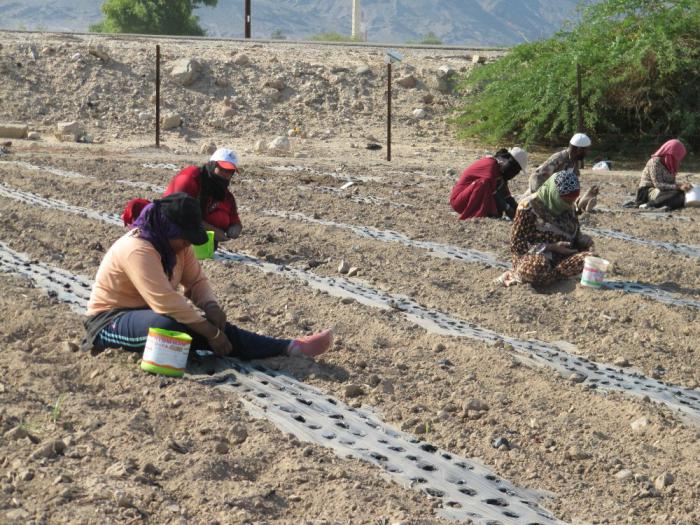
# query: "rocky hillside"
[[248, 91], [482, 22]]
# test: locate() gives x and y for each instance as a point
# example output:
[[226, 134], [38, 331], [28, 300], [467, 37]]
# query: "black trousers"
[[674, 199]]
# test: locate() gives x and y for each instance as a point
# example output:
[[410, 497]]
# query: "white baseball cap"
[[225, 158], [520, 155], [580, 140]]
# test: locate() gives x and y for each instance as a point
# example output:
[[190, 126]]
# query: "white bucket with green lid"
[[166, 352]]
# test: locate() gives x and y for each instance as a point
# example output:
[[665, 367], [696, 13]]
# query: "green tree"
[[278, 34], [431, 39], [156, 17], [333, 37], [641, 79]]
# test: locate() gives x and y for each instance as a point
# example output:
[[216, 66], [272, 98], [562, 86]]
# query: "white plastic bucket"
[[692, 197], [166, 352], [594, 269]]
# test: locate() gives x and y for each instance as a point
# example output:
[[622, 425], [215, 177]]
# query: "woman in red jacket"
[[482, 190], [209, 185]]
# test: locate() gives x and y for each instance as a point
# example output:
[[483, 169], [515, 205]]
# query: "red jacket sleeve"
[[186, 181]]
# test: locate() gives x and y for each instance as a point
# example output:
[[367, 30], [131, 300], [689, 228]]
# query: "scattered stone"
[[276, 83], [238, 434], [122, 499], [446, 79], [99, 51], [177, 447], [69, 346], [207, 148], [640, 424], [294, 498], [439, 347], [428, 98], [577, 378], [363, 71], [279, 145], [49, 450], [16, 433], [186, 71], [352, 272], [260, 147], [501, 443], [33, 135], [373, 146], [387, 386], [221, 447], [16, 516], [150, 470], [478, 59], [13, 131], [354, 391], [419, 114], [145, 116], [407, 82], [26, 475], [663, 481], [241, 60], [170, 120], [575, 453], [476, 405], [374, 380], [72, 129], [623, 475], [343, 267], [62, 478], [621, 361]]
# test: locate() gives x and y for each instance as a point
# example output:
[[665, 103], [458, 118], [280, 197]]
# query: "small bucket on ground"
[[166, 352], [206, 250], [692, 197], [594, 269]]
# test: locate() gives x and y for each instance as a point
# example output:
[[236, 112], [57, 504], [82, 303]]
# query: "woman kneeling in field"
[[546, 241], [136, 288]]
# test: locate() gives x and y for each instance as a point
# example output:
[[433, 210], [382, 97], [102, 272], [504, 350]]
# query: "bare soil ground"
[[144, 448]]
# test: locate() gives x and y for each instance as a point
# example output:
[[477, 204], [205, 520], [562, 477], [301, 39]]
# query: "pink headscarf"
[[671, 154]]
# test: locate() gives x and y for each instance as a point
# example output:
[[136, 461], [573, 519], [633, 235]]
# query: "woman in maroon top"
[[482, 189], [209, 185]]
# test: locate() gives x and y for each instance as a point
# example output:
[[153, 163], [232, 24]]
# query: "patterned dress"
[[557, 162], [658, 176], [534, 227]]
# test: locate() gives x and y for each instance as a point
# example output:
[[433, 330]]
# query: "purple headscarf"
[[157, 229]]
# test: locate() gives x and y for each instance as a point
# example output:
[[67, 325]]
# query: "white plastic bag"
[[603, 165]]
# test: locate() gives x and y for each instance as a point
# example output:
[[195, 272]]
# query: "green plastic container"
[[206, 250], [166, 352]]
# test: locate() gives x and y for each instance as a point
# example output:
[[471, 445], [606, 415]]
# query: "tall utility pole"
[[247, 18], [356, 20]]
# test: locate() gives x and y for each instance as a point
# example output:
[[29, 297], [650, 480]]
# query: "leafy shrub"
[[640, 78], [333, 37], [156, 17]]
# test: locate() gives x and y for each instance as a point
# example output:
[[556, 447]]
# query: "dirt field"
[[135, 447]]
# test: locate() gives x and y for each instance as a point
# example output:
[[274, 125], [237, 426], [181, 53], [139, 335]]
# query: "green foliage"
[[155, 17], [333, 37], [278, 34], [640, 78], [56, 409], [430, 39]]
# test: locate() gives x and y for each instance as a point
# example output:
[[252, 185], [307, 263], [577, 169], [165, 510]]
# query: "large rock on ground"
[[13, 131], [170, 120], [99, 51], [408, 81], [186, 71], [279, 146], [69, 131]]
